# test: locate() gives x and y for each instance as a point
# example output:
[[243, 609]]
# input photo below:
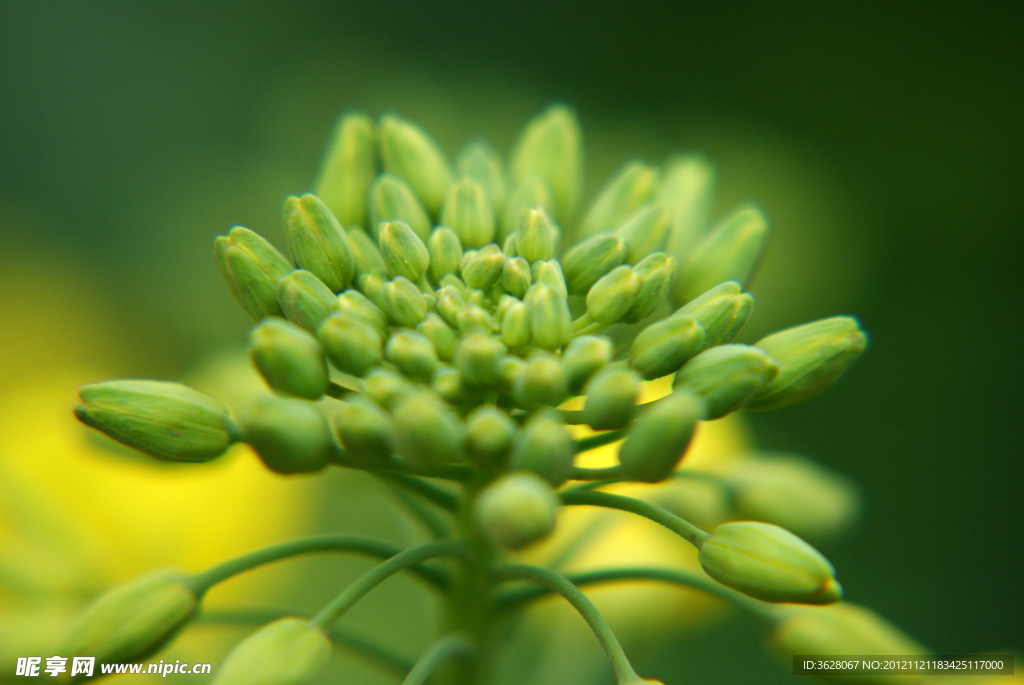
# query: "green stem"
[[424, 513], [587, 330], [598, 440], [451, 647], [556, 582], [375, 576], [448, 501], [691, 533], [348, 384], [611, 474], [202, 582], [456, 472], [582, 322]]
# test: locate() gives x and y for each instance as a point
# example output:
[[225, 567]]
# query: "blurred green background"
[[883, 140]]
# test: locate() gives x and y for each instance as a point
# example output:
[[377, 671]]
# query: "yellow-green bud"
[[657, 271], [768, 563], [482, 163], [511, 367], [412, 353], [450, 303], [251, 266], [508, 248], [288, 651], [289, 359], [489, 433], [305, 299], [317, 242], [391, 199], [454, 282], [290, 436], [611, 398], [728, 253], [631, 187], [427, 431], [687, 190], [645, 231], [467, 257], [478, 359], [586, 262], [515, 325], [468, 211], [409, 152], [364, 251], [515, 276], [658, 440], [517, 509], [403, 252], [365, 430], [726, 376], [448, 384], [132, 621], [485, 267], [443, 338], [550, 321], [544, 447], [168, 421], [583, 357], [661, 348], [404, 303], [542, 382], [445, 253], [347, 168], [813, 357], [532, 192], [722, 311], [534, 236], [372, 285], [550, 272], [612, 296], [387, 388], [551, 148], [355, 303], [474, 319], [352, 344]]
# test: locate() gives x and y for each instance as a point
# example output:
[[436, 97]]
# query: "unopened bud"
[[612, 296], [449, 305], [661, 348], [403, 252], [482, 163], [372, 285], [517, 509], [550, 272], [658, 440], [550, 321], [474, 319], [489, 433], [365, 430], [726, 377], [645, 231], [251, 266], [583, 357], [515, 277], [541, 383], [534, 236], [404, 303], [813, 357], [289, 359], [364, 251], [387, 388], [468, 211], [305, 299], [288, 651], [443, 338], [631, 187], [484, 269], [445, 253], [842, 628], [355, 303], [168, 421], [391, 199], [478, 358], [290, 436], [544, 447], [657, 271], [352, 344], [427, 431], [768, 563], [508, 248], [586, 262], [409, 152], [722, 311], [728, 253], [611, 398], [449, 385], [515, 326], [317, 242], [687, 190], [511, 367], [347, 169], [551, 148]]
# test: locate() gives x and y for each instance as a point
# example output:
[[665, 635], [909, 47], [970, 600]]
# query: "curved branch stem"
[[446, 500], [691, 533], [455, 646], [456, 472], [598, 440]]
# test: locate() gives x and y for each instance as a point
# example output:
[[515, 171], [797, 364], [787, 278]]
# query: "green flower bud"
[[687, 190], [482, 163], [427, 431], [365, 430], [586, 262], [658, 440], [412, 353], [449, 305], [813, 357], [489, 433], [612, 296], [517, 510], [467, 257], [168, 421], [391, 199], [409, 152], [347, 169], [657, 271], [251, 266], [511, 367], [550, 272], [455, 283], [445, 252], [550, 321], [484, 269], [290, 436], [515, 326], [631, 187], [443, 338], [387, 388], [372, 285], [317, 242], [289, 359], [404, 303], [534, 236], [508, 248], [478, 359], [728, 253], [133, 621], [583, 357], [551, 148], [645, 231], [542, 382], [305, 299], [473, 319], [403, 252], [726, 376], [469, 212], [544, 447], [515, 276], [352, 344], [722, 311], [448, 384], [768, 563], [661, 348], [364, 251], [288, 651], [611, 398], [355, 303], [531, 192]]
